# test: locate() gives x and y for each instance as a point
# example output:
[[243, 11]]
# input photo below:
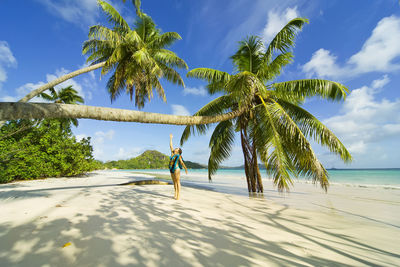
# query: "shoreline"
[[161, 174], [111, 225]]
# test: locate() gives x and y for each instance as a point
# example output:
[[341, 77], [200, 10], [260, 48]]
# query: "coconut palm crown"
[[274, 127], [137, 57], [66, 95]]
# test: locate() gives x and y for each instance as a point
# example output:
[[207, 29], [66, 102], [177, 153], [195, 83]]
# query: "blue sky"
[[353, 42]]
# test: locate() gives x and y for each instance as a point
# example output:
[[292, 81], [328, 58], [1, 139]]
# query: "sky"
[[354, 42]]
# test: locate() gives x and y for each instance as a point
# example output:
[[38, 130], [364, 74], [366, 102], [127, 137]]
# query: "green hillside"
[[150, 159]]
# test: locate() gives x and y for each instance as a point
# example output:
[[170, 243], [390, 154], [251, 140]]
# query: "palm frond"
[[212, 76], [165, 40], [311, 87], [113, 16], [170, 58], [277, 161], [171, 75], [249, 55], [215, 107], [103, 33], [268, 71], [137, 4], [133, 37], [301, 154], [221, 143], [284, 39], [99, 51], [146, 28], [51, 97], [313, 128]]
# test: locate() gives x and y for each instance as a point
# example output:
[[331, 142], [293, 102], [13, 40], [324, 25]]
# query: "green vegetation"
[[150, 159], [32, 149], [274, 126]]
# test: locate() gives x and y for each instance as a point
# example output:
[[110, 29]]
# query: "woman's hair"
[[180, 151]]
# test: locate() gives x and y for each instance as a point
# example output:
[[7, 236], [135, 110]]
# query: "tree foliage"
[[30, 151], [137, 57], [150, 159], [274, 127]]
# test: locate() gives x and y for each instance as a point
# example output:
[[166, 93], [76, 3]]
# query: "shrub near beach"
[[30, 150]]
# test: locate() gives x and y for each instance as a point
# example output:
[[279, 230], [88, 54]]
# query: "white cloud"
[[7, 59], [323, 64], [364, 120], [378, 84], [276, 21], [98, 142], [129, 153], [9, 99], [81, 12], [91, 73], [70, 82], [377, 54], [101, 136], [28, 87], [180, 110], [381, 48], [194, 91]]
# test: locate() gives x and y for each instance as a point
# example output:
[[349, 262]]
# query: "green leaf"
[[301, 89], [221, 143]]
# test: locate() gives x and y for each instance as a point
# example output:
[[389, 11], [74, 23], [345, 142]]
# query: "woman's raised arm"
[[170, 143]]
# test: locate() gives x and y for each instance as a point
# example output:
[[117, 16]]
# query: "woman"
[[175, 164]]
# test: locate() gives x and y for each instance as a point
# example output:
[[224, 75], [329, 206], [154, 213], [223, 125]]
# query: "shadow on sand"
[[131, 229]]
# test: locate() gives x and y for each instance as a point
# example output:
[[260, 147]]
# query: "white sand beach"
[[102, 223]]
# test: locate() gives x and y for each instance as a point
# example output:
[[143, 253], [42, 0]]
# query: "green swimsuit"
[[173, 162]]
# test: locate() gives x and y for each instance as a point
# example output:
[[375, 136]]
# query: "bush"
[[38, 149]]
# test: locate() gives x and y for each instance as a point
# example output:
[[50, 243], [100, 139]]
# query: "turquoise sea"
[[358, 177]]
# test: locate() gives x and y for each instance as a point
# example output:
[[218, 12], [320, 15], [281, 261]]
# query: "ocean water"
[[388, 178]]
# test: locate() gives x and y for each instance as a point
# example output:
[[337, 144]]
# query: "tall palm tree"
[[138, 57], [66, 95], [274, 126]]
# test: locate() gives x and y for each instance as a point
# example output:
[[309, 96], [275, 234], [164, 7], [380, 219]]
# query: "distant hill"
[[150, 159], [194, 165]]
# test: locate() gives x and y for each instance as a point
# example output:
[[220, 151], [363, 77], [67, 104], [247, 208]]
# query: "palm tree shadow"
[[130, 228]]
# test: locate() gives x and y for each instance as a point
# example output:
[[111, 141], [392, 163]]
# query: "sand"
[[94, 221]]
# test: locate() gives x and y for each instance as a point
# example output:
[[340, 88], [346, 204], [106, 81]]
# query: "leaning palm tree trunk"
[[17, 110], [54, 82], [59, 80]]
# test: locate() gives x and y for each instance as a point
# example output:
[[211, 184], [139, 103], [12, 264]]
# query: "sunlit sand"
[[95, 221]]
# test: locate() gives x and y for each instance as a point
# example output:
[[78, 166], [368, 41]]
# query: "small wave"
[[383, 186]]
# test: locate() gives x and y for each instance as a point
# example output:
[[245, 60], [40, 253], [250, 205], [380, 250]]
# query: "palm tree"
[[137, 57], [66, 95], [274, 126]]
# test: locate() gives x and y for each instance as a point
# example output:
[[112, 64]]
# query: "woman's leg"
[[174, 181], [178, 183]]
